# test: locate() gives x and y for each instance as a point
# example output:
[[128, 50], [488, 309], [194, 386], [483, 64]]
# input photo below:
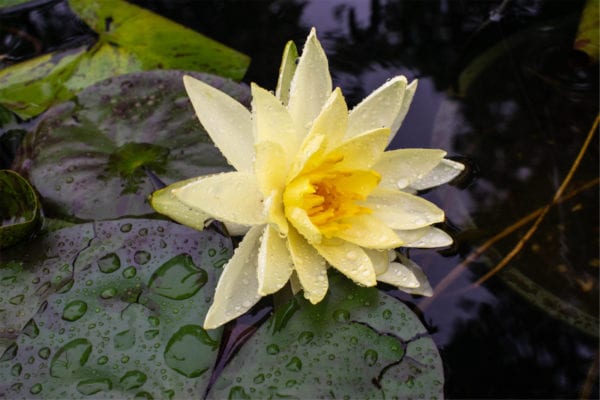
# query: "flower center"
[[328, 196]]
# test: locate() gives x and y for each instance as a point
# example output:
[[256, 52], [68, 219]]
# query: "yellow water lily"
[[313, 186]]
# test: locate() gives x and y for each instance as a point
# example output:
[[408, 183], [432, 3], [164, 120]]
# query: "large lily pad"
[[125, 45], [19, 208], [88, 157], [356, 343], [128, 322]]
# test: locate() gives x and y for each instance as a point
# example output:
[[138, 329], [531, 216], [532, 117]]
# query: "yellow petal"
[[332, 121], [232, 197], [384, 108], [409, 94], [237, 290], [349, 259], [272, 122], [309, 266], [226, 121], [403, 210], [444, 172], [368, 231], [400, 168], [361, 152], [274, 262], [311, 85], [286, 72], [164, 202], [301, 221]]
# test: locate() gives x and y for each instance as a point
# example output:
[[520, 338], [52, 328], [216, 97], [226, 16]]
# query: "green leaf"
[[127, 324], [356, 343], [19, 208], [88, 157], [166, 45], [30, 87]]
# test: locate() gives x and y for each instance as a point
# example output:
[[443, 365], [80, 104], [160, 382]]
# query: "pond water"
[[501, 89]]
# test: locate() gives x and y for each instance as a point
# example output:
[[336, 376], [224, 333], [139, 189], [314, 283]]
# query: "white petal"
[[237, 290], [226, 121], [380, 259], [311, 85], [406, 102], [231, 197], [423, 288], [309, 266], [164, 202], [272, 122], [402, 210], [349, 259], [444, 172], [286, 72], [433, 237], [399, 275], [399, 168], [274, 262], [384, 108]]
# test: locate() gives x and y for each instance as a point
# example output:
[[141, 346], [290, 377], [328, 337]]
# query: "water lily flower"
[[313, 187]]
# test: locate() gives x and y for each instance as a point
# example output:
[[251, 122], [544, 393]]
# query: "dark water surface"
[[501, 89]]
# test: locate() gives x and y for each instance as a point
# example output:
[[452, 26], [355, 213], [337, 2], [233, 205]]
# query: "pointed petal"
[[370, 232], [272, 122], [384, 108], [406, 102], [402, 210], [295, 283], [380, 259], [232, 197], [409, 270], [226, 121], [270, 167], [400, 168], [164, 202], [349, 259], [237, 290], [432, 237], [444, 172], [399, 275], [301, 221], [311, 85], [274, 262], [286, 72], [361, 152], [332, 120], [309, 266]]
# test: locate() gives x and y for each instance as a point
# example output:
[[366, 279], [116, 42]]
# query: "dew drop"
[[124, 340], [36, 389], [102, 360], [260, 378], [387, 314], [129, 272], [370, 357], [16, 369], [70, 358], [133, 380], [185, 351], [272, 349], [295, 365], [44, 353], [125, 228], [109, 263], [341, 315], [141, 257], [178, 278], [305, 337], [74, 310], [16, 300], [108, 293], [93, 386]]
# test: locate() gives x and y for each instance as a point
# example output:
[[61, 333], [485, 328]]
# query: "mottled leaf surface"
[[19, 208], [88, 158]]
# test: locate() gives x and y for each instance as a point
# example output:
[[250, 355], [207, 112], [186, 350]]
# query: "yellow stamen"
[[328, 195]]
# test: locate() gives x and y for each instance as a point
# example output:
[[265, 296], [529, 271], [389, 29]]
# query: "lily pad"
[[125, 45], [19, 208], [128, 323], [88, 157], [356, 343]]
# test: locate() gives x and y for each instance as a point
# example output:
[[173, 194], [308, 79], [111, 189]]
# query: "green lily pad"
[[128, 322], [356, 343], [88, 157], [19, 208], [125, 45]]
